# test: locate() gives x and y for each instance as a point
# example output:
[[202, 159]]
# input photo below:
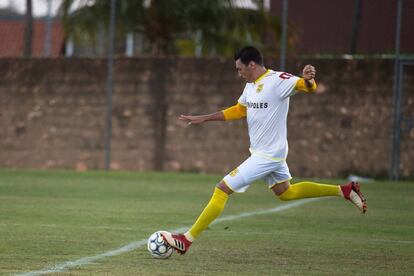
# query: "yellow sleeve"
[[234, 112], [301, 86]]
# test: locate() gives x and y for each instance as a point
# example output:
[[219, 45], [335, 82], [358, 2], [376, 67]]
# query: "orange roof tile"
[[12, 38]]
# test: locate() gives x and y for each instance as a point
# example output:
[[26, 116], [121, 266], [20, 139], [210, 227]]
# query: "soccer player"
[[264, 103]]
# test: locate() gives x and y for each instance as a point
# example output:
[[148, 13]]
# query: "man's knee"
[[222, 186], [280, 188]]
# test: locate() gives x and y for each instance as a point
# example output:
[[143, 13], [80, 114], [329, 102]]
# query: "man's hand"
[[308, 72], [192, 120]]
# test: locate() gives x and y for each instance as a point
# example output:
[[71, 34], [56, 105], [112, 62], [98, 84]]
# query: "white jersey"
[[267, 105]]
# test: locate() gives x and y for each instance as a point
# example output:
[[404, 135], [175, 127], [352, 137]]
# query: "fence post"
[[283, 40], [109, 87], [396, 128]]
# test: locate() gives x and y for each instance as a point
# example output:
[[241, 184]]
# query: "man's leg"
[[214, 208], [351, 191], [286, 191]]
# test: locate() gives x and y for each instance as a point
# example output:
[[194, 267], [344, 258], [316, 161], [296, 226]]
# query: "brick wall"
[[52, 114]]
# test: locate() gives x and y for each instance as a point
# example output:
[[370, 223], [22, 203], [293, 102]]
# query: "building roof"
[[325, 26], [12, 37]]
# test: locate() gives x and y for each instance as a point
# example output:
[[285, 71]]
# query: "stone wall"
[[52, 114]]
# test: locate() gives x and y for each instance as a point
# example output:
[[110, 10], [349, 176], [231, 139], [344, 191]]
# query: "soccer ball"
[[158, 247]]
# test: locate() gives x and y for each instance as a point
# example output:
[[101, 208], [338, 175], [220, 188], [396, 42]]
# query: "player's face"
[[245, 71]]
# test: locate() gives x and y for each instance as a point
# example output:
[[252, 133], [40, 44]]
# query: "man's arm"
[[234, 112], [307, 83], [199, 119]]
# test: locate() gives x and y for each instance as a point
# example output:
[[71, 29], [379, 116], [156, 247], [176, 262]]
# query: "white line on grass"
[[137, 244]]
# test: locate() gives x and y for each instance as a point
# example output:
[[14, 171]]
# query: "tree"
[[170, 27]]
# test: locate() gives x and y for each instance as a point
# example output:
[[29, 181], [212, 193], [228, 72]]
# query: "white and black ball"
[[158, 247]]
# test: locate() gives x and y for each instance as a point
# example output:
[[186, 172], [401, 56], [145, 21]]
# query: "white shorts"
[[254, 168]]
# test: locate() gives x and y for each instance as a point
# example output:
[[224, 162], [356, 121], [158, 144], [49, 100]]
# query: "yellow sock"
[[310, 189], [210, 213]]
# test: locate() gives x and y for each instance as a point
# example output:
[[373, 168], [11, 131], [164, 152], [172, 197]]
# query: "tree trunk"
[[28, 32]]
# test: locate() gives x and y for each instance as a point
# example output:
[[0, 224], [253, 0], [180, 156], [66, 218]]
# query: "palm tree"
[[170, 27]]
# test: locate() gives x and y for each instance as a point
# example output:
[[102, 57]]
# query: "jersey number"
[[285, 76]]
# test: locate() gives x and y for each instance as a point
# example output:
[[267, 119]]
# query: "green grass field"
[[48, 218]]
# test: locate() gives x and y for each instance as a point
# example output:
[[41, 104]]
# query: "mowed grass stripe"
[[137, 244]]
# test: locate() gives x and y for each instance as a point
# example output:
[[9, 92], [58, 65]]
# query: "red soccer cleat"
[[352, 192], [178, 241]]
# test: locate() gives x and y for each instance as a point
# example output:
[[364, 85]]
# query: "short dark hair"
[[247, 54]]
